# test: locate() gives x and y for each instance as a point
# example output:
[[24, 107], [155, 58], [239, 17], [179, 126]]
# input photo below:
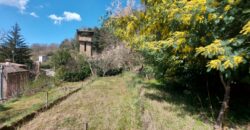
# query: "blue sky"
[[51, 21]]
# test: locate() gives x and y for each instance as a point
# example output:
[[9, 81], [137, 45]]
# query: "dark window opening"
[[85, 49]]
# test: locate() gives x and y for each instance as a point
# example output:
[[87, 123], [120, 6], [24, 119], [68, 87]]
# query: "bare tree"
[[113, 58], [117, 10]]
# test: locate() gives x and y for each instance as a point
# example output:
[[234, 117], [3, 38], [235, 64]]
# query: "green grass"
[[15, 109], [123, 102], [114, 103], [106, 104], [166, 111]]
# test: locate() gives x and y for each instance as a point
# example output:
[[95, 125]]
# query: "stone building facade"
[[13, 77], [85, 39]]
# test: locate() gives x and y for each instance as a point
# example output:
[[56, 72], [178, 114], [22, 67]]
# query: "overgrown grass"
[[17, 108], [186, 109], [119, 102], [106, 104], [167, 111], [40, 84], [125, 102]]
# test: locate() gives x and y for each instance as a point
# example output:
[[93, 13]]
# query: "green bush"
[[46, 66], [110, 72], [60, 58], [75, 69], [147, 71], [76, 76], [60, 72]]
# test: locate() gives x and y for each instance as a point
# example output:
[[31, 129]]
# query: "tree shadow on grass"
[[172, 96], [239, 107], [198, 103]]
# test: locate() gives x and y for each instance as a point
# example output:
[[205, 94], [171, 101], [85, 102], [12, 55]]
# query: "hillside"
[[118, 102]]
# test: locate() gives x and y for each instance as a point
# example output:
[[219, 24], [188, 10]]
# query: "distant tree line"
[[43, 49]]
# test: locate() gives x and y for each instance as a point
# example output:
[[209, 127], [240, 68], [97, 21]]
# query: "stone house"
[[13, 77], [85, 39]]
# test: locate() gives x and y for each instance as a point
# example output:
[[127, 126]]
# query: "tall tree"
[[192, 35], [15, 48], [2, 36]]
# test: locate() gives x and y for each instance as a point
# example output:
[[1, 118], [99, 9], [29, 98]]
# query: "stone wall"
[[14, 83], [86, 48]]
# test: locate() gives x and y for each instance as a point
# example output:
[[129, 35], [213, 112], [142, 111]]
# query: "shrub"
[[113, 61], [75, 69], [60, 58], [41, 83], [46, 66], [76, 76]]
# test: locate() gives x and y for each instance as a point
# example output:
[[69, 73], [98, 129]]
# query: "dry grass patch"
[[114, 103], [15, 109], [106, 104]]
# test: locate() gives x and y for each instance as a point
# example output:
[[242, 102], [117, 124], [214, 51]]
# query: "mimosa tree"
[[208, 34]]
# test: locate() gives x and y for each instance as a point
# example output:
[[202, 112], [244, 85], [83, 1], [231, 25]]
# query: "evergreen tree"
[[2, 36], [15, 48]]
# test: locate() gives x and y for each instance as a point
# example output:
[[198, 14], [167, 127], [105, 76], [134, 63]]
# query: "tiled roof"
[[84, 30]]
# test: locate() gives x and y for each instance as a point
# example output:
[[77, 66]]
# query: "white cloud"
[[20, 4], [67, 16], [56, 19], [70, 16], [34, 14]]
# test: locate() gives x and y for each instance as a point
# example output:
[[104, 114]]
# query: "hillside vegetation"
[[17, 108], [119, 102], [194, 43]]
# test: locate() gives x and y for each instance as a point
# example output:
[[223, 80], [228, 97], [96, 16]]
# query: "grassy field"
[[15, 109], [106, 104], [121, 102]]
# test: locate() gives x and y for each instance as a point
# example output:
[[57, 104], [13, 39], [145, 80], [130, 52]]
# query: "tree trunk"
[[225, 104], [104, 73], [91, 69]]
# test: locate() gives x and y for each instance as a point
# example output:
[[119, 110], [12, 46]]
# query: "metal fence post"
[[47, 99]]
